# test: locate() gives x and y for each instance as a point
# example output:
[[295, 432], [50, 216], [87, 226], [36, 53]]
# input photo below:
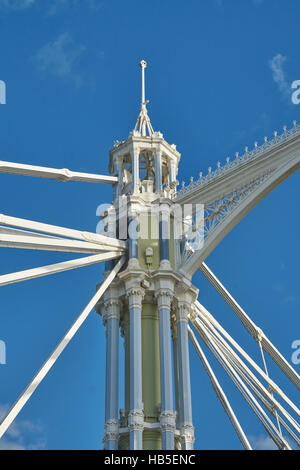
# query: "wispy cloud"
[[57, 5], [16, 4], [262, 442], [221, 3], [60, 57], [278, 74], [22, 434]]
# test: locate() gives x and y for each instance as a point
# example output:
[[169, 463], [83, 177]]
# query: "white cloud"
[[22, 434], [278, 74], [262, 442], [16, 4], [59, 58]]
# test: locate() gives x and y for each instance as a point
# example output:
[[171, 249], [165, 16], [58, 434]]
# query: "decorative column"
[[172, 172], [167, 416], [175, 355], [111, 319], [136, 416], [133, 236], [184, 381], [158, 170], [119, 185], [164, 234], [135, 169]]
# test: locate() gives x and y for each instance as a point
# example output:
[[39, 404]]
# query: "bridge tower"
[[150, 300]]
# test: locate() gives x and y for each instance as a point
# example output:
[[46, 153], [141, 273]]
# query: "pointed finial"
[[143, 125], [143, 65]]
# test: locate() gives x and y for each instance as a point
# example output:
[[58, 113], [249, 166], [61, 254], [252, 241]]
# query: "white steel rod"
[[250, 326], [17, 407], [51, 244], [258, 410], [257, 390], [61, 231], [221, 343], [16, 231], [62, 174], [255, 385], [33, 273], [220, 392], [208, 318]]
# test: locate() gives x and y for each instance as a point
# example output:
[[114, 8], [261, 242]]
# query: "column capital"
[[187, 433], [136, 420], [111, 428], [167, 421], [109, 306], [135, 295], [164, 297], [182, 311], [185, 298], [111, 310]]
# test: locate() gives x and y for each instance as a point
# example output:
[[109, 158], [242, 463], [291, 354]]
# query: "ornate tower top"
[[145, 164]]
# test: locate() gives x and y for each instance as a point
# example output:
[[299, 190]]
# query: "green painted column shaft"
[[151, 372]]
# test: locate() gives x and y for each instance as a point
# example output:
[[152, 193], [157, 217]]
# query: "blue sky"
[[219, 78]]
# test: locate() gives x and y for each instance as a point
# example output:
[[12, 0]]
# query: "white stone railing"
[[239, 159]]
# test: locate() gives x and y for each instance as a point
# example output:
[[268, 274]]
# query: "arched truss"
[[227, 194]]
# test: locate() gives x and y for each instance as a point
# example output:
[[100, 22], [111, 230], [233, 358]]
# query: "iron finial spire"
[[143, 125], [143, 65]]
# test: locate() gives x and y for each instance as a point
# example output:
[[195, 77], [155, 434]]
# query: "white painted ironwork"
[[22, 400], [220, 333], [248, 156], [215, 348], [33, 273], [143, 125], [220, 392], [251, 327], [214, 213], [247, 203], [62, 232], [54, 173], [51, 244], [143, 171]]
